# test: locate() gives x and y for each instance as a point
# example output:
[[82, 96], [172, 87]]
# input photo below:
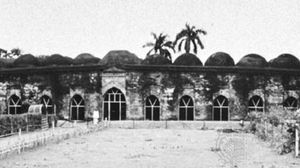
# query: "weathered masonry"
[[124, 87]]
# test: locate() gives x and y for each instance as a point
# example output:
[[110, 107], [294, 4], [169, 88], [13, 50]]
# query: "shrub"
[[274, 127], [12, 123]]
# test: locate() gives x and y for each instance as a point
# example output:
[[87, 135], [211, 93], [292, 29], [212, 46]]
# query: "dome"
[[252, 60], [57, 59], [26, 60], [120, 57], [156, 59], [285, 61], [86, 58], [188, 59], [219, 59]]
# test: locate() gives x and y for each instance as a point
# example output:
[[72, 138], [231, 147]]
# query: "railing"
[[22, 142]]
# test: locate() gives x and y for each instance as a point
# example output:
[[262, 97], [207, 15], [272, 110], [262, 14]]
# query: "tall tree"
[[189, 35], [160, 46]]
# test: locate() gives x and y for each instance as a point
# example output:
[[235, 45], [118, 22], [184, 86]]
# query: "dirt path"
[[143, 148]]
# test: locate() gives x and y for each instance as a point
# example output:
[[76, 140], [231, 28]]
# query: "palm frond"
[[179, 46], [200, 31], [149, 44], [154, 35], [169, 45], [149, 52], [180, 35], [199, 42]]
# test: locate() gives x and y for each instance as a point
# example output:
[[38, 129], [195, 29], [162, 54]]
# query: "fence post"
[[53, 126], [11, 125], [166, 124], [26, 119], [297, 140], [19, 140]]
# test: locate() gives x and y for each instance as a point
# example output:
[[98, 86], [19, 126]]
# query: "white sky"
[[71, 27]]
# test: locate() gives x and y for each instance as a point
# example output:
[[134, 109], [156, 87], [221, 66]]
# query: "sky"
[[70, 27]]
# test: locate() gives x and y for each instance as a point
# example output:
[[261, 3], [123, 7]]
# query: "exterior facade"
[[120, 90]]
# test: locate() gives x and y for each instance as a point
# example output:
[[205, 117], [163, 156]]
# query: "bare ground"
[[146, 148]]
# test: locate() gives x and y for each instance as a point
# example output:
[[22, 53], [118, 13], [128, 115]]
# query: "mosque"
[[123, 87]]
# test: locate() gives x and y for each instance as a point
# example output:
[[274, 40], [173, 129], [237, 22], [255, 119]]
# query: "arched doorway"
[[186, 108], [77, 108], [220, 109], [114, 105], [152, 108], [256, 104], [14, 104], [47, 102], [290, 103]]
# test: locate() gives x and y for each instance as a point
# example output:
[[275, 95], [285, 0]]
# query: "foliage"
[[289, 82], [145, 82], [161, 46], [15, 52], [275, 128], [178, 81], [189, 35], [11, 123], [213, 84]]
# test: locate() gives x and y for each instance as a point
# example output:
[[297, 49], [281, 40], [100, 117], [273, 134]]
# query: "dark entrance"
[[290, 103], [152, 108], [186, 108], [47, 102], [256, 104], [114, 105], [220, 109], [14, 105], [77, 108]]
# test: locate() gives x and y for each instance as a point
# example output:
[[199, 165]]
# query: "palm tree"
[[161, 46], [13, 52], [189, 35]]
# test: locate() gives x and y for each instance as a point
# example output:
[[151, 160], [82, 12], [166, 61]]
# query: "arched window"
[[152, 108], [77, 108], [114, 105], [47, 102], [220, 109], [186, 108], [256, 104], [290, 103], [14, 105]]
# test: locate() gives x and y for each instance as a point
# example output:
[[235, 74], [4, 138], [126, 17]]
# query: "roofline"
[[147, 68]]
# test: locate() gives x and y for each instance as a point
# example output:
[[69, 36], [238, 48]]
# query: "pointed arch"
[[114, 104], [14, 104], [186, 108], [256, 104], [152, 108], [77, 108], [220, 109], [290, 103], [47, 102]]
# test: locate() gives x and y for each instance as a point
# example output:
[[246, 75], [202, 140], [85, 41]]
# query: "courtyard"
[[114, 147]]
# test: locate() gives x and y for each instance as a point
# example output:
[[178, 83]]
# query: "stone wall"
[[168, 87]]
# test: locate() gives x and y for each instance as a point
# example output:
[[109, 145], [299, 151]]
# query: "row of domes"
[[224, 59], [125, 57]]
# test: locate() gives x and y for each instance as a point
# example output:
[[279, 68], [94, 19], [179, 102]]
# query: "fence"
[[10, 124], [22, 142]]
